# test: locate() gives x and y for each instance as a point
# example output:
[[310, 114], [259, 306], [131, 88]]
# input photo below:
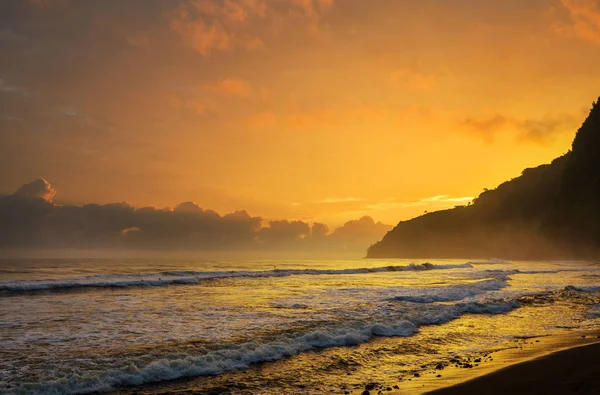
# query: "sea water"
[[74, 326]]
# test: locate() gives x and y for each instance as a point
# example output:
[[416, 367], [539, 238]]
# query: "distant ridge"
[[549, 212]]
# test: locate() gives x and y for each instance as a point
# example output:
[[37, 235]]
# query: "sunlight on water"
[[105, 325]]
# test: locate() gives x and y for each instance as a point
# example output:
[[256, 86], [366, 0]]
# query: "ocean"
[[156, 326]]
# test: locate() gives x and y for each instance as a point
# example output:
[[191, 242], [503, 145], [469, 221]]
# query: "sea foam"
[[136, 372], [194, 277], [455, 292]]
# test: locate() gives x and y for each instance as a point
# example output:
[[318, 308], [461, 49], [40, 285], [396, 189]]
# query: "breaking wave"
[[455, 292], [134, 371], [193, 277], [491, 262]]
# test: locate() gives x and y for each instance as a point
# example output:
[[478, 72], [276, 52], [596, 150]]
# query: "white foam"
[[193, 277], [214, 362], [455, 292], [490, 262], [136, 372]]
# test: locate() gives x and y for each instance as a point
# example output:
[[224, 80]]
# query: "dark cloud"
[[534, 130], [360, 228], [29, 219], [319, 230], [486, 127], [39, 188], [545, 129], [284, 231]]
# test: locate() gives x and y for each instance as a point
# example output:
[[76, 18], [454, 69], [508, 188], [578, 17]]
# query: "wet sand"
[[560, 364], [557, 364], [572, 371]]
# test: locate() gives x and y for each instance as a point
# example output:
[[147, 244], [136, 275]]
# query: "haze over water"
[[80, 326]]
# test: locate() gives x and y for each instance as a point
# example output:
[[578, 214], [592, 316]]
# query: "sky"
[[309, 110]]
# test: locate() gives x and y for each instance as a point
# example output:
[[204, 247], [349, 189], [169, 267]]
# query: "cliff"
[[549, 212]]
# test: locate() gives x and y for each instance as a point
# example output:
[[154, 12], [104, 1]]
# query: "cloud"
[[364, 227], [312, 10], [129, 231], [8, 88], [445, 199], [201, 36], [319, 230], [188, 207], [231, 87], [283, 231], [29, 219], [224, 26], [339, 200], [533, 130], [486, 127], [585, 16], [438, 201], [360, 227], [543, 130], [208, 26], [39, 188]]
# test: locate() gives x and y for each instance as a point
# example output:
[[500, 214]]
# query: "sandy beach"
[[572, 371], [564, 364]]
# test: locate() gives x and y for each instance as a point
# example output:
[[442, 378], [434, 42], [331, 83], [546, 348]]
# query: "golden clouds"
[[312, 10], [433, 202], [385, 101], [39, 188], [585, 15], [210, 26], [313, 7], [541, 130], [201, 36]]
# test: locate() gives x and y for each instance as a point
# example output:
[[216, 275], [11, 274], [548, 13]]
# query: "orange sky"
[[318, 110]]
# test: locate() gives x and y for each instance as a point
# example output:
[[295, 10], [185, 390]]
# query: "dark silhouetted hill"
[[550, 212]]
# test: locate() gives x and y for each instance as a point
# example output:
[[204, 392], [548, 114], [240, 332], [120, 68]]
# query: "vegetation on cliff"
[[549, 212]]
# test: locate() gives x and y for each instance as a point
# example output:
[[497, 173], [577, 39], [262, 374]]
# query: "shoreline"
[[573, 370], [543, 364], [449, 379]]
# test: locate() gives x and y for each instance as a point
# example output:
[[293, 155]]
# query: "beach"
[[572, 371]]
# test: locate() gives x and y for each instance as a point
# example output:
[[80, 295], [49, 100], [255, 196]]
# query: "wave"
[[591, 275], [193, 277], [552, 271], [135, 371], [594, 311], [455, 292], [588, 288], [490, 262]]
